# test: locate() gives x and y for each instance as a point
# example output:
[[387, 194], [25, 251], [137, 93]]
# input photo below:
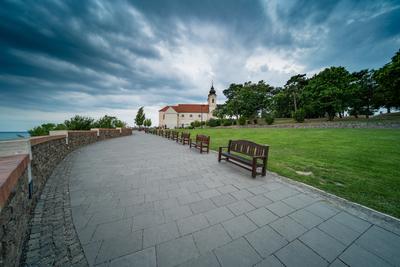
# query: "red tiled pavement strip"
[[42, 139], [11, 169]]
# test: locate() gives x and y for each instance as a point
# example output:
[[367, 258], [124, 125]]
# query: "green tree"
[[294, 87], [328, 92], [43, 129], [140, 117], [79, 123], [388, 78], [147, 122], [363, 90]]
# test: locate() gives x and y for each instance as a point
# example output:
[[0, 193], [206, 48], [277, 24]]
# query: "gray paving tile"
[[165, 204], [226, 189], [192, 224], [259, 201], [325, 245], [202, 206], [297, 254], [138, 209], [239, 226], [109, 216], [382, 243], [257, 190], [209, 193], [241, 194], [265, 240], [119, 246], [211, 238], [240, 207], [176, 251], [237, 253], [85, 234], [261, 216], [177, 213], [306, 218], [281, 193], [339, 231], [91, 250], [322, 209], [338, 263], [288, 228], [206, 260], [188, 198], [160, 233], [148, 219], [271, 261], [223, 200], [352, 222], [113, 229], [218, 215], [279, 208], [143, 258], [299, 201], [356, 256]]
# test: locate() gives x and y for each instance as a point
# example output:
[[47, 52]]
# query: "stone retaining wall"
[[373, 125], [46, 153]]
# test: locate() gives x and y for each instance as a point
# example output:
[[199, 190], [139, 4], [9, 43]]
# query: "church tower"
[[212, 101]]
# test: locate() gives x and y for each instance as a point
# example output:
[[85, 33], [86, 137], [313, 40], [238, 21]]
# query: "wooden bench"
[[167, 133], [161, 132], [244, 153], [201, 141], [174, 135], [184, 139]]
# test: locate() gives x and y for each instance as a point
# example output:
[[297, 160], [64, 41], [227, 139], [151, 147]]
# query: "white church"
[[182, 115]]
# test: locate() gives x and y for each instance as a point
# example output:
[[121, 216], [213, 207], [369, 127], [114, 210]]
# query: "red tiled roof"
[[188, 108]]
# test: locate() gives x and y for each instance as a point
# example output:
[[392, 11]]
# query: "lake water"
[[13, 135]]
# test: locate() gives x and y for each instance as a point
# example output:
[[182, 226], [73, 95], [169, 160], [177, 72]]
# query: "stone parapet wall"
[[45, 153], [372, 125]]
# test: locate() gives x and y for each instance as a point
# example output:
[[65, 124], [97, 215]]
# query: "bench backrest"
[[247, 147], [202, 138], [185, 135], [174, 134]]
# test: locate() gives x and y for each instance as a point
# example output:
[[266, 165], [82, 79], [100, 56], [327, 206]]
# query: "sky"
[[61, 58]]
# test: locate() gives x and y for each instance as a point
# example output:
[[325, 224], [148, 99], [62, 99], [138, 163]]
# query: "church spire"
[[212, 90]]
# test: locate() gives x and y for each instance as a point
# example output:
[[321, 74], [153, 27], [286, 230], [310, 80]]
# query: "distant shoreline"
[[13, 135]]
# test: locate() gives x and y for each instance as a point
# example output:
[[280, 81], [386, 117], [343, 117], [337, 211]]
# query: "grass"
[[361, 165]]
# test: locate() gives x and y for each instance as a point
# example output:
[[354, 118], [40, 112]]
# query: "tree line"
[[331, 93], [78, 123]]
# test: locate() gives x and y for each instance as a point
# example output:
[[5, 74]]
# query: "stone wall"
[[17, 208]]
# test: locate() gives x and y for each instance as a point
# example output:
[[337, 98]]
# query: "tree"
[[79, 123], [388, 78], [109, 122], [328, 92], [140, 117], [294, 87], [147, 122], [363, 90]]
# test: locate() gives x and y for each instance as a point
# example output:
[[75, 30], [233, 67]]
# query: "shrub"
[[269, 119], [79, 123], [214, 122], [227, 122], [299, 115], [242, 121], [195, 124], [255, 121]]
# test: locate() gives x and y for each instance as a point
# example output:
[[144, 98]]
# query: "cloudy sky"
[[61, 58]]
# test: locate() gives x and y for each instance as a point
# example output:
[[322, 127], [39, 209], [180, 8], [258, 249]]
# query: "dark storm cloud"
[[74, 56]]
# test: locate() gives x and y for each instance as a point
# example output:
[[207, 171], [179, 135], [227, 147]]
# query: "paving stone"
[[160, 233], [148, 219], [306, 218], [178, 192], [297, 254], [119, 246], [206, 260], [241, 194], [109, 216], [382, 243], [325, 245], [271, 261], [202, 206], [266, 241], [299, 201], [112, 229], [257, 190], [192, 224], [239, 226], [240, 207], [177, 213], [223, 200], [218, 215], [211, 238], [91, 250], [339, 231], [143, 258], [189, 198], [176, 251], [165, 204], [322, 209], [337, 263], [261, 216], [279, 208], [356, 256], [226, 189], [237, 253], [209, 193], [139, 209], [281, 193], [352, 222], [288, 228], [259, 201]]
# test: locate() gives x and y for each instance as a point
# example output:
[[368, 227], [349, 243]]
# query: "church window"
[[199, 115], [183, 115], [190, 115], [163, 116], [212, 100]]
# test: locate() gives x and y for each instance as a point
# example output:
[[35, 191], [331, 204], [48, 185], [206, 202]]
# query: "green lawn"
[[361, 165]]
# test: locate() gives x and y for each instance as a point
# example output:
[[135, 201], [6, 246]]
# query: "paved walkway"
[[143, 200]]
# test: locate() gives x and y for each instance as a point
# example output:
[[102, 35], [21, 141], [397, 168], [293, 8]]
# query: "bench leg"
[[254, 168], [219, 155], [264, 169], [201, 148]]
